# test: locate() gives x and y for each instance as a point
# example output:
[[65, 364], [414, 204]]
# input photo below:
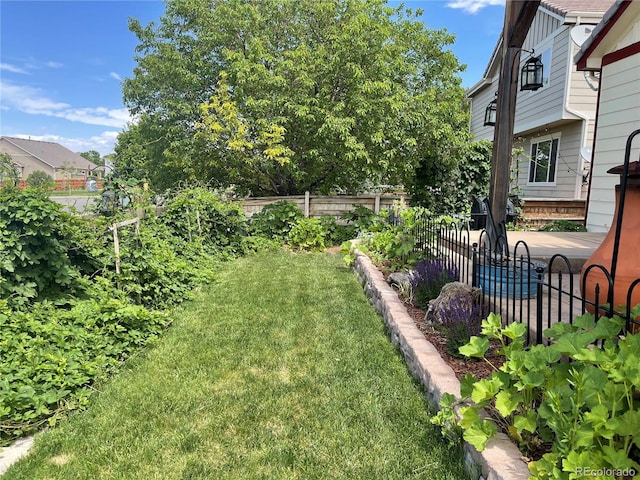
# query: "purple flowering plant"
[[428, 277]]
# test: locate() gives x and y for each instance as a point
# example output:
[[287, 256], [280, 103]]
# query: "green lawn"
[[279, 370]]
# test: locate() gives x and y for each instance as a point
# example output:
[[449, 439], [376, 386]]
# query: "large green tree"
[[283, 96]]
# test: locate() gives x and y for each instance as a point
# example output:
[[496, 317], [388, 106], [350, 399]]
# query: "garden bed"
[[501, 458]]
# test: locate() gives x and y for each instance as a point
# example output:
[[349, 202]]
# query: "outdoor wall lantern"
[[531, 74], [490, 113]]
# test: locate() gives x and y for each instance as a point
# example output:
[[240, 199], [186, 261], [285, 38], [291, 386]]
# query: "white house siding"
[[566, 176], [618, 117], [479, 105], [544, 24], [545, 105]]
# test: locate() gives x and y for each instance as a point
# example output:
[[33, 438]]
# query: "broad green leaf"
[[528, 423], [466, 385], [485, 389], [515, 330], [477, 347], [507, 402], [479, 434]]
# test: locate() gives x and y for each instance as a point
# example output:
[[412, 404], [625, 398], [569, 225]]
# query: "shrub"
[[308, 234], [427, 279], [563, 226], [391, 246], [276, 220], [200, 214], [363, 219], [40, 180], [336, 233]]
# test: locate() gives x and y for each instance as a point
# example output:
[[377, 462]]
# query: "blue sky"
[[61, 62]]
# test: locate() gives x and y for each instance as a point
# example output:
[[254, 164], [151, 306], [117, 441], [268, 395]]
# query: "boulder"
[[451, 291]]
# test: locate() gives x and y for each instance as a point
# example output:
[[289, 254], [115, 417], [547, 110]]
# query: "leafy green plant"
[[52, 356], [337, 233], [563, 226], [276, 220], [9, 176], [34, 242], [585, 409], [308, 234], [363, 219], [391, 246], [204, 216]]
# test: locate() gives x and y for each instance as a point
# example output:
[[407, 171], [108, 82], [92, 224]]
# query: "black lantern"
[[531, 74], [490, 113]]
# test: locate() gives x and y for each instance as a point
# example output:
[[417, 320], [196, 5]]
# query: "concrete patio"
[[576, 246]]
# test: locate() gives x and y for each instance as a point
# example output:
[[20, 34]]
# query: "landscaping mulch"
[[460, 365]]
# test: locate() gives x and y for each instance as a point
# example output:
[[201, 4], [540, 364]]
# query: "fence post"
[[539, 308], [307, 206], [376, 204]]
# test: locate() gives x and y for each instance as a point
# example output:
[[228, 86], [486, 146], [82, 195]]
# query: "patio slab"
[[576, 246]]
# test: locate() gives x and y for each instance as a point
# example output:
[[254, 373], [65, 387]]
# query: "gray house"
[[52, 158], [554, 125], [612, 52]]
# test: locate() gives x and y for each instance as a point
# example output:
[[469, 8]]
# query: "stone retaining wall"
[[501, 459]]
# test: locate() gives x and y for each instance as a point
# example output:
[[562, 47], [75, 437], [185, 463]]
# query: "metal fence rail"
[[519, 288]]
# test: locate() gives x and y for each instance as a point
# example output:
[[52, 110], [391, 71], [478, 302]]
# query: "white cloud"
[[473, 6], [109, 117], [33, 101], [52, 64], [115, 76], [102, 143], [11, 68]]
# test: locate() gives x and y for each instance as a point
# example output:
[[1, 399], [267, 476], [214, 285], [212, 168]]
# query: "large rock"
[[398, 279], [457, 291]]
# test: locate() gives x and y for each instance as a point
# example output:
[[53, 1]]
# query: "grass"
[[280, 370]]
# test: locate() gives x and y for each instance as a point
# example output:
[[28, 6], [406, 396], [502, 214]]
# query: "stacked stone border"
[[501, 459]]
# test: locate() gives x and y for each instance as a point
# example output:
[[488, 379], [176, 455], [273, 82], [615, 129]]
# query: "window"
[[542, 167]]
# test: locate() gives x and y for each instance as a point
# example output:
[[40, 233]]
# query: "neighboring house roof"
[[571, 10], [52, 154], [566, 7], [600, 32]]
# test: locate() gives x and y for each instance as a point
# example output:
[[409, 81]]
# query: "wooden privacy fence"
[[319, 205]]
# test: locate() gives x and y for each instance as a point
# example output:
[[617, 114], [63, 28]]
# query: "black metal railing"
[[513, 284]]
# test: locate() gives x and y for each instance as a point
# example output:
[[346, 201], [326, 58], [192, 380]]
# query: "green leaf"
[[477, 347], [479, 434], [528, 423], [485, 389], [515, 330], [573, 343], [466, 385], [507, 402]]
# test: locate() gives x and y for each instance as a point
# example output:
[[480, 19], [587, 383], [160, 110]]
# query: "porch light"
[[531, 74], [490, 113]]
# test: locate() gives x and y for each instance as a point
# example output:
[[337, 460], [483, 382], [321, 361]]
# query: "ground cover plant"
[[279, 369]]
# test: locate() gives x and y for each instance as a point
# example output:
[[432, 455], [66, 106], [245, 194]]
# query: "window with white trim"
[[544, 159]]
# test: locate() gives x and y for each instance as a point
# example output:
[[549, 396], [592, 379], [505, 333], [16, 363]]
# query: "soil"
[[461, 366]]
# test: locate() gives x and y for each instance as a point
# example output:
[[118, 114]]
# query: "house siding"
[[545, 105], [478, 107], [566, 175], [582, 97], [618, 117]]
